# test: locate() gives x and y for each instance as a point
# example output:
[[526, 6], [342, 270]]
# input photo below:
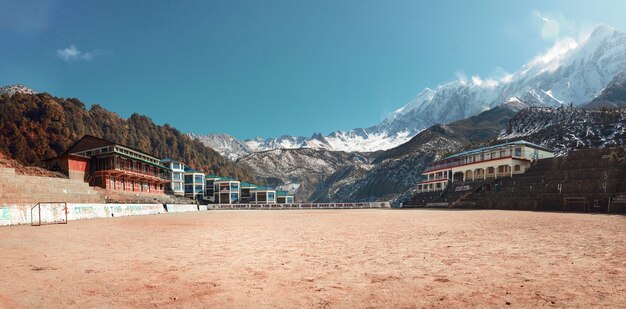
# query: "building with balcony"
[[226, 191], [283, 197], [176, 175], [111, 166], [194, 184], [262, 195], [503, 160]]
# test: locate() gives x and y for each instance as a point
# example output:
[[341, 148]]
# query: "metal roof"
[[515, 143]]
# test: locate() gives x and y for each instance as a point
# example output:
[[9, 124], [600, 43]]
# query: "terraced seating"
[[23, 189]]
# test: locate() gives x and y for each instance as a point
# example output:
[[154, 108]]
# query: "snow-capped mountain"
[[12, 89], [299, 170], [573, 71], [227, 145], [565, 129]]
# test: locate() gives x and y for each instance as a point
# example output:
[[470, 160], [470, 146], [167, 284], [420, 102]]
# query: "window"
[[112, 183], [198, 189], [188, 188], [234, 186], [176, 166], [518, 152], [518, 168], [502, 153], [493, 154], [177, 176], [482, 157], [177, 186], [234, 197], [271, 196], [198, 179], [189, 178]]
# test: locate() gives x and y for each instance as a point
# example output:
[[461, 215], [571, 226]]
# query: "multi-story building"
[[503, 160], [262, 195], [283, 197], [112, 166], [246, 187], [226, 191], [209, 188], [194, 184], [176, 174]]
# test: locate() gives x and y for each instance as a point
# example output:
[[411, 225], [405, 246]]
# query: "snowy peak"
[[227, 145], [16, 88], [571, 72]]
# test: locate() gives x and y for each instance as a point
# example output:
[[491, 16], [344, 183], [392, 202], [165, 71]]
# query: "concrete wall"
[[182, 208], [21, 214], [303, 206]]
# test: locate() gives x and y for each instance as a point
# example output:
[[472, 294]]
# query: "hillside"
[[34, 127], [299, 170], [396, 171], [564, 129]]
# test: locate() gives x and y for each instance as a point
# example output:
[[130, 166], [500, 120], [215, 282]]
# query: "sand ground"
[[319, 258]]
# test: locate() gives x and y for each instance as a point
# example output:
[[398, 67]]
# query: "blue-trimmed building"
[[194, 184]]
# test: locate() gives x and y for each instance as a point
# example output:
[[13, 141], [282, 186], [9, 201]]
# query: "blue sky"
[[269, 68]]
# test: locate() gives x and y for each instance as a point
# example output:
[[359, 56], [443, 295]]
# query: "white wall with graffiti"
[[45, 213]]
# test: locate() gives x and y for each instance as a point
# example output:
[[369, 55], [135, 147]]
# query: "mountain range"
[[571, 72]]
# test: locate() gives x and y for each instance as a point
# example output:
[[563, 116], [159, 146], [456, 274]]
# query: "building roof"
[[88, 142], [264, 188], [247, 185], [282, 193], [191, 170], [227, 179], [170, 160], [514, 143]]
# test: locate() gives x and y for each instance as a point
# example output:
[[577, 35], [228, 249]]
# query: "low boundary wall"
[[21, 214], [11, 214], [182, 208], [301, 206]]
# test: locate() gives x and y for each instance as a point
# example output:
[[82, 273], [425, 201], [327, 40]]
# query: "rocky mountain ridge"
[[571, 72]]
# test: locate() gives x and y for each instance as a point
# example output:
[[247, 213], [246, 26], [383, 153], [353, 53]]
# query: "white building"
[[194, 184], [176, 186], [503, 160], [262, 195], [226, 191]]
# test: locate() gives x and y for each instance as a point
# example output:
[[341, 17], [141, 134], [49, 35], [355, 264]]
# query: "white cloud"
[[72, 53], [553, 26]]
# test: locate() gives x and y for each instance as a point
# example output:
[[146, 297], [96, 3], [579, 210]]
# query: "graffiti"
[[83, 209], [4, 215]]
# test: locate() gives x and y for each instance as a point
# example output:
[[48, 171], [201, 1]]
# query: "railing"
[[440, 166], [303, 206]]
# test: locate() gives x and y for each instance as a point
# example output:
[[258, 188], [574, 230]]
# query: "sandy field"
[[319, 259]]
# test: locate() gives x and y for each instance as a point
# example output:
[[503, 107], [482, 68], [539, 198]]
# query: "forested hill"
[[34, 127]]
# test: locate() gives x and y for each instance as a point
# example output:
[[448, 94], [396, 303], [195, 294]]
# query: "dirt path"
[[320, 259]]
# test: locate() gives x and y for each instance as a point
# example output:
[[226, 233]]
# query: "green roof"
[[247, 185], [282, 193], [264, 188]]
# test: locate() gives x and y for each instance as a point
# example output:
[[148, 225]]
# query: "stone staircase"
[[23, 189]]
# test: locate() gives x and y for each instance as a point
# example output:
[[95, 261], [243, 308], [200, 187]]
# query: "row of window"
[[193, 188], [122, 185], [487, 156]]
